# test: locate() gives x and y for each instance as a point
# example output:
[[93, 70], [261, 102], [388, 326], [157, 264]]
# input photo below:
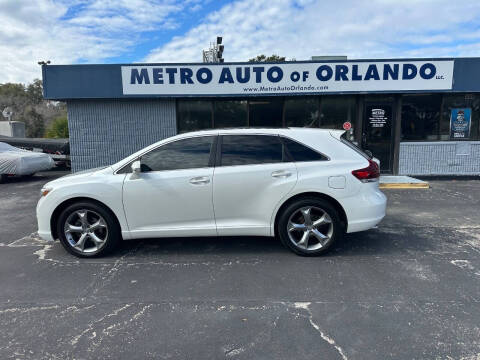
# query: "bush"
[[58, 129]]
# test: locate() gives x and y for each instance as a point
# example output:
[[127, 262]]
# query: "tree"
[[58, 128], [29, 106], [34, 123], [35, 91], [271, 58]]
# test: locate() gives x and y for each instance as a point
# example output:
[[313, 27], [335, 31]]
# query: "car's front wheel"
[[309, 226], [87, 229]]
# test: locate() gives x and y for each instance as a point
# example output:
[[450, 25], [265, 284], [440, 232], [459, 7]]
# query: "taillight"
[[368, 174]]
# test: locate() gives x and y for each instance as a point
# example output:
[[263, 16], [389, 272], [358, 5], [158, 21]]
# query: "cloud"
[[73, 31], [79, 31], [300, 29]]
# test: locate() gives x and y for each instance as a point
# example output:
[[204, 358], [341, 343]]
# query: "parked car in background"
[[305, 186], [57, 149], [19, 162]]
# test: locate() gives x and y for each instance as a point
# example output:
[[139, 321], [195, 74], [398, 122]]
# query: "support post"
[[397, 131]]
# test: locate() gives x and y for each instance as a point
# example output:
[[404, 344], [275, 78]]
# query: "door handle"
[[281, 174], [200, 180]]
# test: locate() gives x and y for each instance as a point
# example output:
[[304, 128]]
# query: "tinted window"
[[301, 152], [181, 154], [230, 113], [421, 117], [194, 115], [335, 110], [265, 112], [301, 112], [127, 169], [251, 149]]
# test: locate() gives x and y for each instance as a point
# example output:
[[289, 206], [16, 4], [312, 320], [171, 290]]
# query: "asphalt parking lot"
[[407, 290]]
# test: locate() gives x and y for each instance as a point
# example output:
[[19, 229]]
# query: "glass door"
[[377, 132]]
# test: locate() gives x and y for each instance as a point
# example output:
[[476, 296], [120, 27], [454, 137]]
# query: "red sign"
[[347, 125]]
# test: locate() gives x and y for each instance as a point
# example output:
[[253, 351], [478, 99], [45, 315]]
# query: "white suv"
[[305, 186]]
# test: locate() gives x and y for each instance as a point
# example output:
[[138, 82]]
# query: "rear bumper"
[[362, 225], [368, 211]]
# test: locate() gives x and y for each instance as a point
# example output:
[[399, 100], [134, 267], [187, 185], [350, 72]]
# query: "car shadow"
[[401, 238], [202, 245]]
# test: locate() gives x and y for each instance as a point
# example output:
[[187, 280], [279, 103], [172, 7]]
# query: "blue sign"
[[460, 122]]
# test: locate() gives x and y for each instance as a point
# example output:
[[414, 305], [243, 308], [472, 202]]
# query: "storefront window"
[[420, 117], [230, 113], [302, 112], [455, 104], [335, 110], [265, 112], [194, 115]]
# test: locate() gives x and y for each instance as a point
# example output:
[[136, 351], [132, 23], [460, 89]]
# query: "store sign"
[[285, 78], [460, 123]]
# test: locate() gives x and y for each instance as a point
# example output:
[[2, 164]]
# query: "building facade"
[[418, 116]]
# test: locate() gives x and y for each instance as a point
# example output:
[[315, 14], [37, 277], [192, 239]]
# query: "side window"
[[251, 149], [181, 154], [126, 169], [301, 152]]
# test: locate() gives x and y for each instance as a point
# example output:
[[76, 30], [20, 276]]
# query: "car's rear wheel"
[[87, 229], [3, 178], [309, 226]]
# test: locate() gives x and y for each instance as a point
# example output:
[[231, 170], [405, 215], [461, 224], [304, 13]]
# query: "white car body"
[[222, 200]]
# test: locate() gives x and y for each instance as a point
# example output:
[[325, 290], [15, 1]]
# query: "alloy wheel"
[[86, 231], [310, 228]]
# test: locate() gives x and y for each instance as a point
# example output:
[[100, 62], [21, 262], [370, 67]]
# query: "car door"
[[251, 176], [172, 195]]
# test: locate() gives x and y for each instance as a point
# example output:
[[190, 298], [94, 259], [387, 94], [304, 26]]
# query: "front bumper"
[[44, 214], [46, 235]]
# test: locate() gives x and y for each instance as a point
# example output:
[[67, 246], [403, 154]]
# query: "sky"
[[127, 31]]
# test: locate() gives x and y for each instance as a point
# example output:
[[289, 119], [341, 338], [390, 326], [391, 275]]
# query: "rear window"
[[352, 146], [300, 152]]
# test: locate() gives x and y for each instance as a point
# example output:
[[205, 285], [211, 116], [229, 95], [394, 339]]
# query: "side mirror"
[[136, 167]]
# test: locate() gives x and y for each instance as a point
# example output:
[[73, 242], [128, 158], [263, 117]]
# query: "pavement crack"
[[306, 306], [262, 337], [29, 309], [102, 280], [141, 312], [90, 326]]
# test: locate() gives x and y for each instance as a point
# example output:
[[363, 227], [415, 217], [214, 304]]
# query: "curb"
[[424, 185]]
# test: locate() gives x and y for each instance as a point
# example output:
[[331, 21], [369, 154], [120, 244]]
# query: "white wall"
[[13, 129]]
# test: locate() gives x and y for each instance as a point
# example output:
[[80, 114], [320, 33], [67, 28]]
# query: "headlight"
[[45, 191]]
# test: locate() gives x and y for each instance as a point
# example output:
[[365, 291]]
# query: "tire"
[[309, 237], [99, 232], [3, 178]]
